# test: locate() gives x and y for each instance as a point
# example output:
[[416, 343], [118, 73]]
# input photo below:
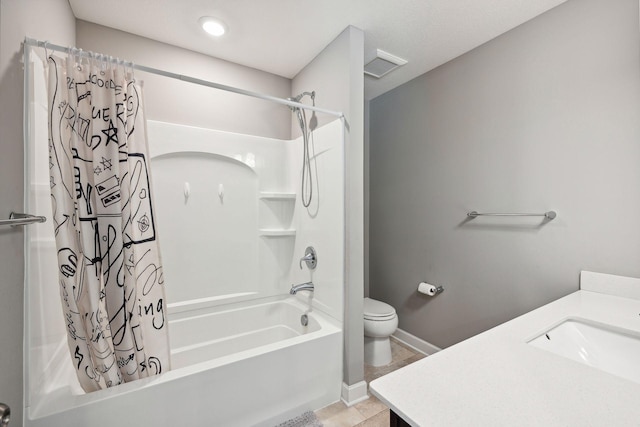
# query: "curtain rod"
[[58, 48]]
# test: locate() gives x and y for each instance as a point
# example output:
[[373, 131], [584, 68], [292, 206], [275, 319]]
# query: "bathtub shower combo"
[[234, 223]]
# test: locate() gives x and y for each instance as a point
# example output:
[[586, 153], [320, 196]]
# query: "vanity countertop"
[[497, 379]]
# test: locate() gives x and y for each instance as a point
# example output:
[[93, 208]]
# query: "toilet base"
[[377, 351]]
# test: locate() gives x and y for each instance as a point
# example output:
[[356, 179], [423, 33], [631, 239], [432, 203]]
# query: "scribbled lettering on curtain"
[[110, 274]]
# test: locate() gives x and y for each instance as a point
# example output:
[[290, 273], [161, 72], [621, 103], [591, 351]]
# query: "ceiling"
[[282, 36]]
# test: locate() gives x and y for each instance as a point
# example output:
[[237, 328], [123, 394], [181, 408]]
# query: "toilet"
[[380, 321]]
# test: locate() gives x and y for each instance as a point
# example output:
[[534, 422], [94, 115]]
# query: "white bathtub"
[[234, 366]]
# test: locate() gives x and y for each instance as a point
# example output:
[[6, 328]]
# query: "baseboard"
[[414, 342], [352, 394]]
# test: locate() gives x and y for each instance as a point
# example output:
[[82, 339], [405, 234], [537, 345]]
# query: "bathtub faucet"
[[307, 286]]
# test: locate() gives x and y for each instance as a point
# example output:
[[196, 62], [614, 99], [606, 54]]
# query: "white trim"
[[414, 342], [352, 394]]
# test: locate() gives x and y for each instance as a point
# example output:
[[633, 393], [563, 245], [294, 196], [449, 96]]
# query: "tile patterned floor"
[[371, 412]]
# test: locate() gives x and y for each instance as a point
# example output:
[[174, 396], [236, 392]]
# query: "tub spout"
[[308, 286]]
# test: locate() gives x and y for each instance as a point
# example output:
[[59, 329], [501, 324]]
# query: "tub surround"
[[497, 378], [215, 186]]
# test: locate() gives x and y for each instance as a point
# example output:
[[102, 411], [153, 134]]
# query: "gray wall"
[[542, 117], [185, 103], [336, 76], [45, 19]]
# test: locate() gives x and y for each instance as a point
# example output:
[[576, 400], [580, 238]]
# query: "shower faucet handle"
[[310, 257]]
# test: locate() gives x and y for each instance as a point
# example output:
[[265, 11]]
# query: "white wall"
[[543, 117], [44, 19], [185, 103], [336, 76]]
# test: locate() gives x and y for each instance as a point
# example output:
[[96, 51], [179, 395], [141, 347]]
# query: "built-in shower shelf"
[[277, 233], [277, 196]]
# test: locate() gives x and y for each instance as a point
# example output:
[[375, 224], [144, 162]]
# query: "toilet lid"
[[377, 309]]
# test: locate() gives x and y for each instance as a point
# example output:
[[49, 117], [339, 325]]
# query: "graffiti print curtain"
[[110, 275]]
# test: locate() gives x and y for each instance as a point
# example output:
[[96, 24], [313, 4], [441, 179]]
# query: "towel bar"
[[547, 215], [16, 219]]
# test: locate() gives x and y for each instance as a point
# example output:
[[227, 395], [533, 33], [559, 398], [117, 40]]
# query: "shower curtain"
[[110, 275]]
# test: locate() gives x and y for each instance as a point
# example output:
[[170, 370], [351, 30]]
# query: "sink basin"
[[603, 347]]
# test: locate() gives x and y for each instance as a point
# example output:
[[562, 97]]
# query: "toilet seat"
[[377, 310]]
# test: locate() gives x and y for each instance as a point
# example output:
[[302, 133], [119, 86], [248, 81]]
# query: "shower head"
[[299, 98]]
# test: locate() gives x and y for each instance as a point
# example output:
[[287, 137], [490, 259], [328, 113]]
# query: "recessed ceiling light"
[[213, 26]]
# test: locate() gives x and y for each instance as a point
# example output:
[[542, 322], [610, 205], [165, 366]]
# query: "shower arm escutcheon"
[[310, 257]]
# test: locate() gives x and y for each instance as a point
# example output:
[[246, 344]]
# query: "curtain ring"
[[73, 53], [112, 63], [103, 64], [78, 59]]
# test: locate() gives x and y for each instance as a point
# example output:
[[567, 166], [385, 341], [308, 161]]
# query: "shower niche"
[[276, 214]]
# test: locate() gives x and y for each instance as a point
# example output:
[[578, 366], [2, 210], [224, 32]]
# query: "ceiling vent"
[[383, 64]]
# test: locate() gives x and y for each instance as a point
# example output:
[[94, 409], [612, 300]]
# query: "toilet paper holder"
[[428, 289]]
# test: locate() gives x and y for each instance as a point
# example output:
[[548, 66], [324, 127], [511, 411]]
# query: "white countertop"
[[497, 379]]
